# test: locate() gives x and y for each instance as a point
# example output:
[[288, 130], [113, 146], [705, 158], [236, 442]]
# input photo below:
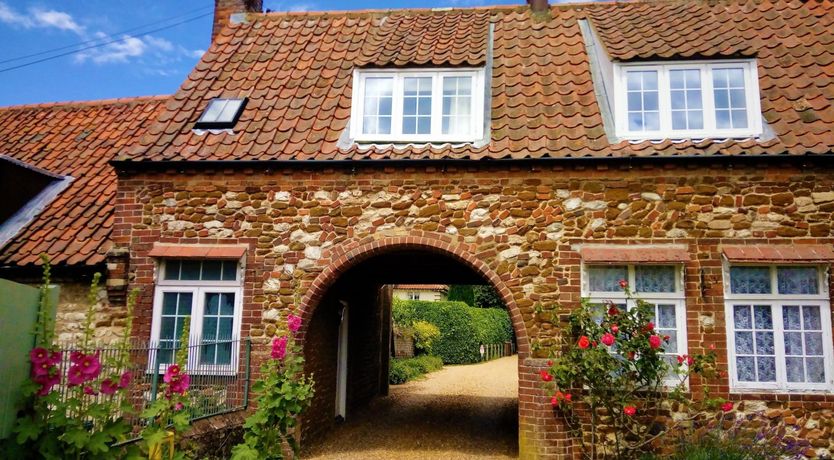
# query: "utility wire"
[[94, 40], [99, 45]]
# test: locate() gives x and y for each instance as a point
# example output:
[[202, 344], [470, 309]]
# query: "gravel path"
[[459, 412]]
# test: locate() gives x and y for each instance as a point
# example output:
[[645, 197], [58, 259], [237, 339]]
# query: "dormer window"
[[427, 106], [687, 100], [221, 114]]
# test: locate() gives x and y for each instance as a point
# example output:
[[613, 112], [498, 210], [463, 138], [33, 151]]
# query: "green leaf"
[[76, 438], [244, 452], [27, 430]]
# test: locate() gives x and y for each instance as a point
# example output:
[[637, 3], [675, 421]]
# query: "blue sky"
[[155, 62]]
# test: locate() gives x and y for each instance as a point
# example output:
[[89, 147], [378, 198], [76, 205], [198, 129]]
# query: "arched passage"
[[355, 277]]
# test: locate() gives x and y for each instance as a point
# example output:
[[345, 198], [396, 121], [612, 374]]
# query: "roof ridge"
[[91, 103]]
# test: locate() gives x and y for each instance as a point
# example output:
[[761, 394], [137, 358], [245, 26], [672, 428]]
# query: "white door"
[[341, 368]]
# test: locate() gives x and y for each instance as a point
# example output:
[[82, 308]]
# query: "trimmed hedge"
[[405, 369], [462, 328]]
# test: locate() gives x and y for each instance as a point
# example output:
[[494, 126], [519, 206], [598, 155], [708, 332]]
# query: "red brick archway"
[[347, 255]]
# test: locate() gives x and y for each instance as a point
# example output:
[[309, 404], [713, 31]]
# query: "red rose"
[[631, 356], [712, 346], [650, 326], [690, 360], [727, 406], [654, 342], [583, 342], [623, 284], [629, 410], [607, 339], [549, 362], [554, 401], [666, 338], [615, 329], [546, 376], [568, 397], [613, 311], [681, 359]]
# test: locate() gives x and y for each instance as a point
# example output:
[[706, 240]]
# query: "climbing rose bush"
[[613, 363], [283, 393]]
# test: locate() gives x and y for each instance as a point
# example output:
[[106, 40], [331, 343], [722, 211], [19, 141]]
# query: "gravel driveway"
[[460, 412]]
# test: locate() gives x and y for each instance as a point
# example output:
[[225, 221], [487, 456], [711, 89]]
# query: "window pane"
[[797, 280], [190, 270], [744, 343], [766, 369], [764, 343], [169, 303], [642, 97], [167, 328], [741, 316], [654, 278], [210, 328], [606, 278], [796, 369], [229, 270], [214, 109], [762, 317], [811, 318], [211, 270], [686, 99], [172, 269], [793, 344], [212, 304], [417, 94], [229, 110], [184, 308], [813, 343], [672, 346], [378, 102], [666, 317], [746, 368], [457, 103], [227, 304], [815, 370], [750, 280], [729, 92]]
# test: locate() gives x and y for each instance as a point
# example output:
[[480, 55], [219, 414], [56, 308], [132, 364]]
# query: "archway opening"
[[460, 410]]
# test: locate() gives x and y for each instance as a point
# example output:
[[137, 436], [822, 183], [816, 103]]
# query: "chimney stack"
[[538, 6], [224, 9]]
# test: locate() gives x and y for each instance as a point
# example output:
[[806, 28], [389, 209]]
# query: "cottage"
[[312, 158]]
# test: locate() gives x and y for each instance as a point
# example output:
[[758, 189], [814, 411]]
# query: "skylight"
[[221, 114]]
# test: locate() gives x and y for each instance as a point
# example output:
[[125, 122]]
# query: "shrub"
[[462, 328], [487, 297], [461, 293], [425, 334], [403, 370]]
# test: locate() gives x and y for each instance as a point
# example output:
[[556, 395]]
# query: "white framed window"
[[209, 292], [658, 285], [413, 295], [418, 105], [687, 100], [778, 327]]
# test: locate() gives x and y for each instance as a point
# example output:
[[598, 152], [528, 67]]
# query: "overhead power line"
[[105, 43]]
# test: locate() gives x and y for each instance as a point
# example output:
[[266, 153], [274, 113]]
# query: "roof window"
[[687, 100], [221, 114]]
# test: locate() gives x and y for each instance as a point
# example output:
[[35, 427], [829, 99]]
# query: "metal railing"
[[219, 372]]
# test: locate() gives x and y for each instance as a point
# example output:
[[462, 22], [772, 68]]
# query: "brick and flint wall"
[[515, 225]]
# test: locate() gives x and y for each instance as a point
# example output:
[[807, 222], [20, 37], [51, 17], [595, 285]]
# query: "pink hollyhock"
[[629, 410], [583, 342], [545, 376], [623, 284], [179, 406], [39, 355], [75, 376], [90, 366], [293, 323], [88, 390], [171, 373], [55, 357], [654, 342], [76, 357], [607, 339], [109, 387], [180, 384], [41, 369], [727, 406], [279, 348], [47, 382], [124, 380]]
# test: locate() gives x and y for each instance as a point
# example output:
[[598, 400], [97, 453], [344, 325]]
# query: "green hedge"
[[462, 328], [403, 370]]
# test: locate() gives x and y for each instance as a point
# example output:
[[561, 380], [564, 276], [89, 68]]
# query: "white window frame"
[[436, 136], [776, 301], [752, 99], [198, 290], [413, 295], [677, 298]]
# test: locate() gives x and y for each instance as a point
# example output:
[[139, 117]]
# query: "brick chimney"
[[538, 6], [224, 9]]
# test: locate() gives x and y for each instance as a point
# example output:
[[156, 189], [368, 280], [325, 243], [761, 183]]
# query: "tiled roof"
[[78, 140], [297, 68], [426, 287]]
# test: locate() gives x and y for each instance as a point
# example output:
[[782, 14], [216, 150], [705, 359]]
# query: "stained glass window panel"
[[654, 278]]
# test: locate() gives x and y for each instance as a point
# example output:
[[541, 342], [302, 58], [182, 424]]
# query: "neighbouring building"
[[310, 159], [429, 292]]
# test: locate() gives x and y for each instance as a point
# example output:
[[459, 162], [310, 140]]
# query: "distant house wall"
[[420, 294]]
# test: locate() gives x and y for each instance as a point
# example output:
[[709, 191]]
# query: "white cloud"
[[56, 19], [121, 51], [289, 6], [41, 18]]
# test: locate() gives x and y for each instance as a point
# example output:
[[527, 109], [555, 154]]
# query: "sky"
[[140, 59]]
